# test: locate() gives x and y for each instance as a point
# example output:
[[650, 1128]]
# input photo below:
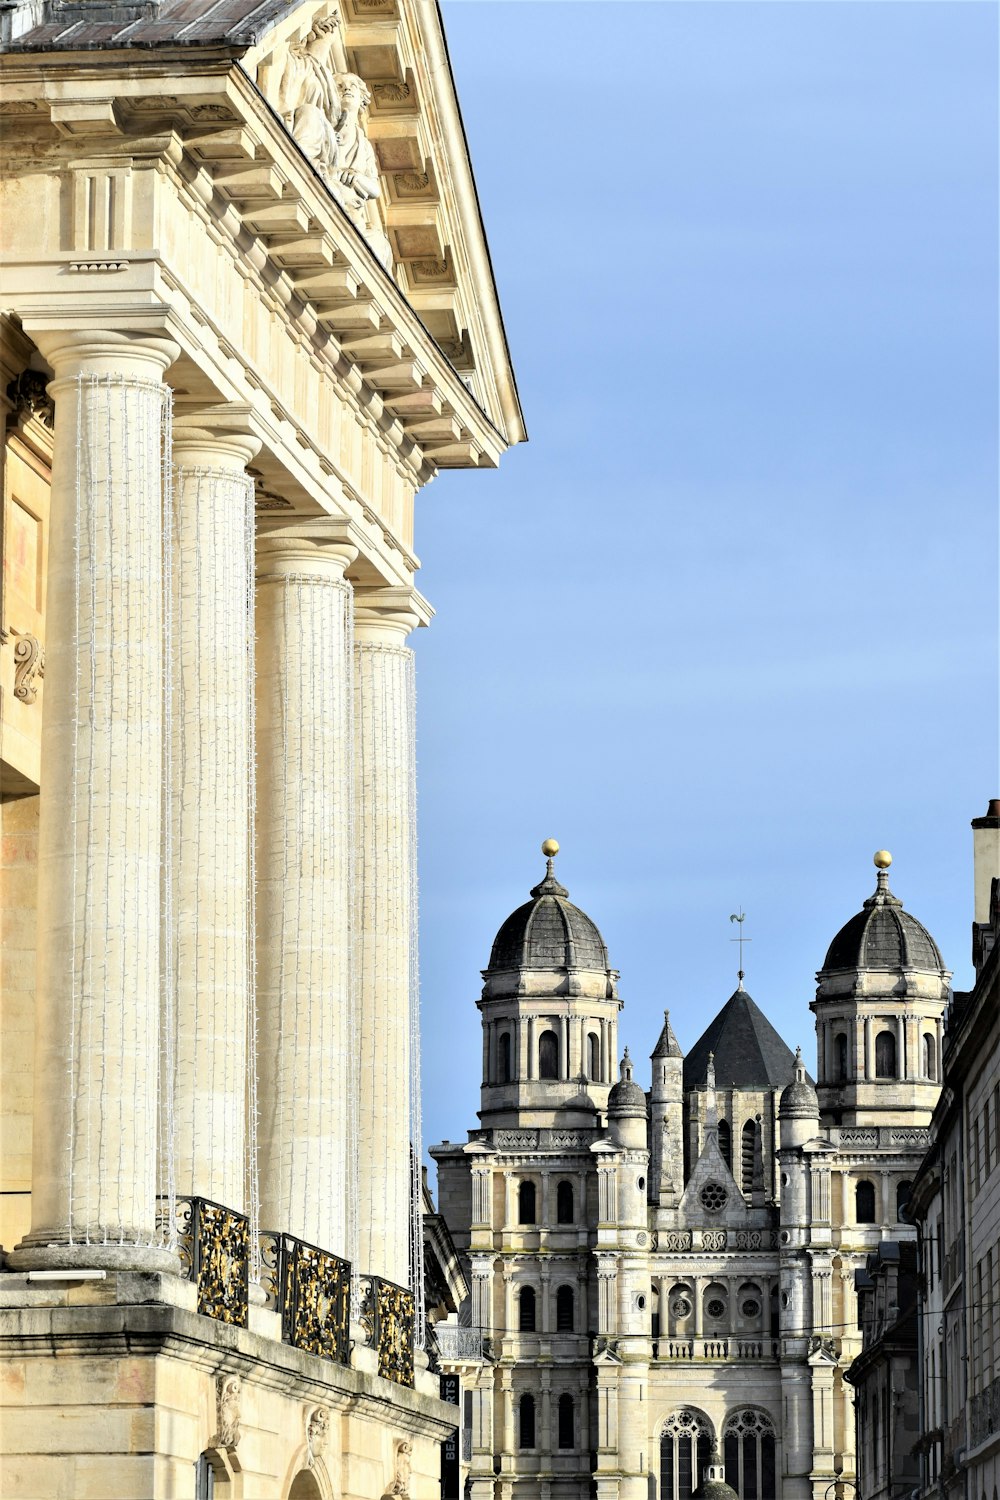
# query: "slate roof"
[[749, 1053], [667, 1045], [235, 23], [883, 936], [548, 932]]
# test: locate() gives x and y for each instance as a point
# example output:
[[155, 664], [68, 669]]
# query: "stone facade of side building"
[[886, 1374], [956, 1206], [656, 1272], [246, 314]]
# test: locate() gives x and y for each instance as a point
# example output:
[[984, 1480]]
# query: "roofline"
[[460, 162]]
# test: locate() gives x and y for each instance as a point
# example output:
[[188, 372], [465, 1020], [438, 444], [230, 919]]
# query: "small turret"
[[666, 1128], [627, 1109]]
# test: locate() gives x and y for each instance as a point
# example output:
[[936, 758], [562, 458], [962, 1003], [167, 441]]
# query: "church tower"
[[879, 1007], [550, 1014]]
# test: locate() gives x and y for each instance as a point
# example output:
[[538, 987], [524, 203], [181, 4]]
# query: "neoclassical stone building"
[[246, 313], [658, 1271]]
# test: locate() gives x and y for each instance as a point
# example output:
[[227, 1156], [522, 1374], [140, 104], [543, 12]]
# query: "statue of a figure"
[[303, 90], [357, 179]]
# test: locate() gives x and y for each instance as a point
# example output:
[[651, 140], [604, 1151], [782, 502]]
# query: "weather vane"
[[740, 917]]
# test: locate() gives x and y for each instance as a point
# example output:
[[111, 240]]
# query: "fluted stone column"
[[98, 984], [385, 881], [211, 766], [307, 1055]]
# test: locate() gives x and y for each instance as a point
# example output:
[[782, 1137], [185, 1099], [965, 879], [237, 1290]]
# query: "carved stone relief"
[[399, 1485], [325, 110], [30, 397], [29, 665], [317, 1432], [228, 1390]]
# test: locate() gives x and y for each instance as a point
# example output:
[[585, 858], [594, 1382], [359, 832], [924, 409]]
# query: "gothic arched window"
[[885, 1055], [564, 1203], [548, 1055], [930, 1056], [504, 1061], [864, 1203], [840, 1057], [726, 1143], [903, 1191], [749, 1453], [526, 1310], [526, 1413], [567, 1434], [748, 1156], [594, 1056], [526, 1203], [685, 1449], [564, 1309]]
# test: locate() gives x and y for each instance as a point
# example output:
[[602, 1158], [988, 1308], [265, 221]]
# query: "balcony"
[[456, 1343], [213, 1244], [311, 1289], [984, 1413], [388, 1317], [716, 1351]]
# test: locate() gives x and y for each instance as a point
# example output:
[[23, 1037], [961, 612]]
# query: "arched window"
[[864, 1203], [504, 1063], [305, 1487], [564, 1203], [685, 1448], [548, 1055], [526, 1203], [840, 1057], [903, 1191], [726, 1143], [885, 1055], [748, 1156], [749, 1452], [564, 1310], [594, 1056], [526, 1412], [930, 1056], [526, 1310], [567, 1434]]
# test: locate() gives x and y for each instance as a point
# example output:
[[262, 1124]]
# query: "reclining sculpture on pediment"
[[323, 110]]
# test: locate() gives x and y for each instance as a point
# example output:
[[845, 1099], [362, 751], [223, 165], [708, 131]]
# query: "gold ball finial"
[[883, 859], [550, 847]]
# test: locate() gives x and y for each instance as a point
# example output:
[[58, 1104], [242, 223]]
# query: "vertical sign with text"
[[450, 1473]]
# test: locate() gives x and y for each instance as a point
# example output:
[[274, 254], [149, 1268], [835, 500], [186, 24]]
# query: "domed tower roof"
[[548, 932], [627, 1097], [799, 1100], [882, 935]]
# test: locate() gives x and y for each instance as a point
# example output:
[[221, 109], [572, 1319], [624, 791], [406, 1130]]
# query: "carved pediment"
[[325, 106]]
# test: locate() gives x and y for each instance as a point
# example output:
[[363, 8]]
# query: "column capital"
[[320, 546], [215, 437], [98, 351], [385, 616]]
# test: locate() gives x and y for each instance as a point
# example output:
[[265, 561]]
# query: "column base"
[[37, 1257]]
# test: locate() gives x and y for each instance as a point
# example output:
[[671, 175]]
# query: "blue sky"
[[728, 622]]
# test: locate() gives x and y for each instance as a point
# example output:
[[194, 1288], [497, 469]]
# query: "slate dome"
[[883, 936], [548, 932], [626, 1097]]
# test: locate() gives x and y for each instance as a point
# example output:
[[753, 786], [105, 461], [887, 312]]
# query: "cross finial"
[[740, 917]]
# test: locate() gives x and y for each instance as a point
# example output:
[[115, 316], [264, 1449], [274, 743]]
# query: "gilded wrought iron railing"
[[387, 1316], [213, 1243], [311, 1288]]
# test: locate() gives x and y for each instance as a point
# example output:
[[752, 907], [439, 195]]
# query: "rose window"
[[713, 1197]]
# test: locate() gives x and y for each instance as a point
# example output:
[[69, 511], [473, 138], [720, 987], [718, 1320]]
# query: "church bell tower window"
[[526, 1411], [840, 1057], [564, 1203], [526, 1310], [504, 1060], [526, 1203], [885, 1055], [548, 1055], [864, 1203]]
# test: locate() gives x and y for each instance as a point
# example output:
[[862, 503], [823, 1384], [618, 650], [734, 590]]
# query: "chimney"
[[985, 859]]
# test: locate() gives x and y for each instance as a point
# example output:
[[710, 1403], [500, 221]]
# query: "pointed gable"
[[668, 1045], [749, 1053]]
